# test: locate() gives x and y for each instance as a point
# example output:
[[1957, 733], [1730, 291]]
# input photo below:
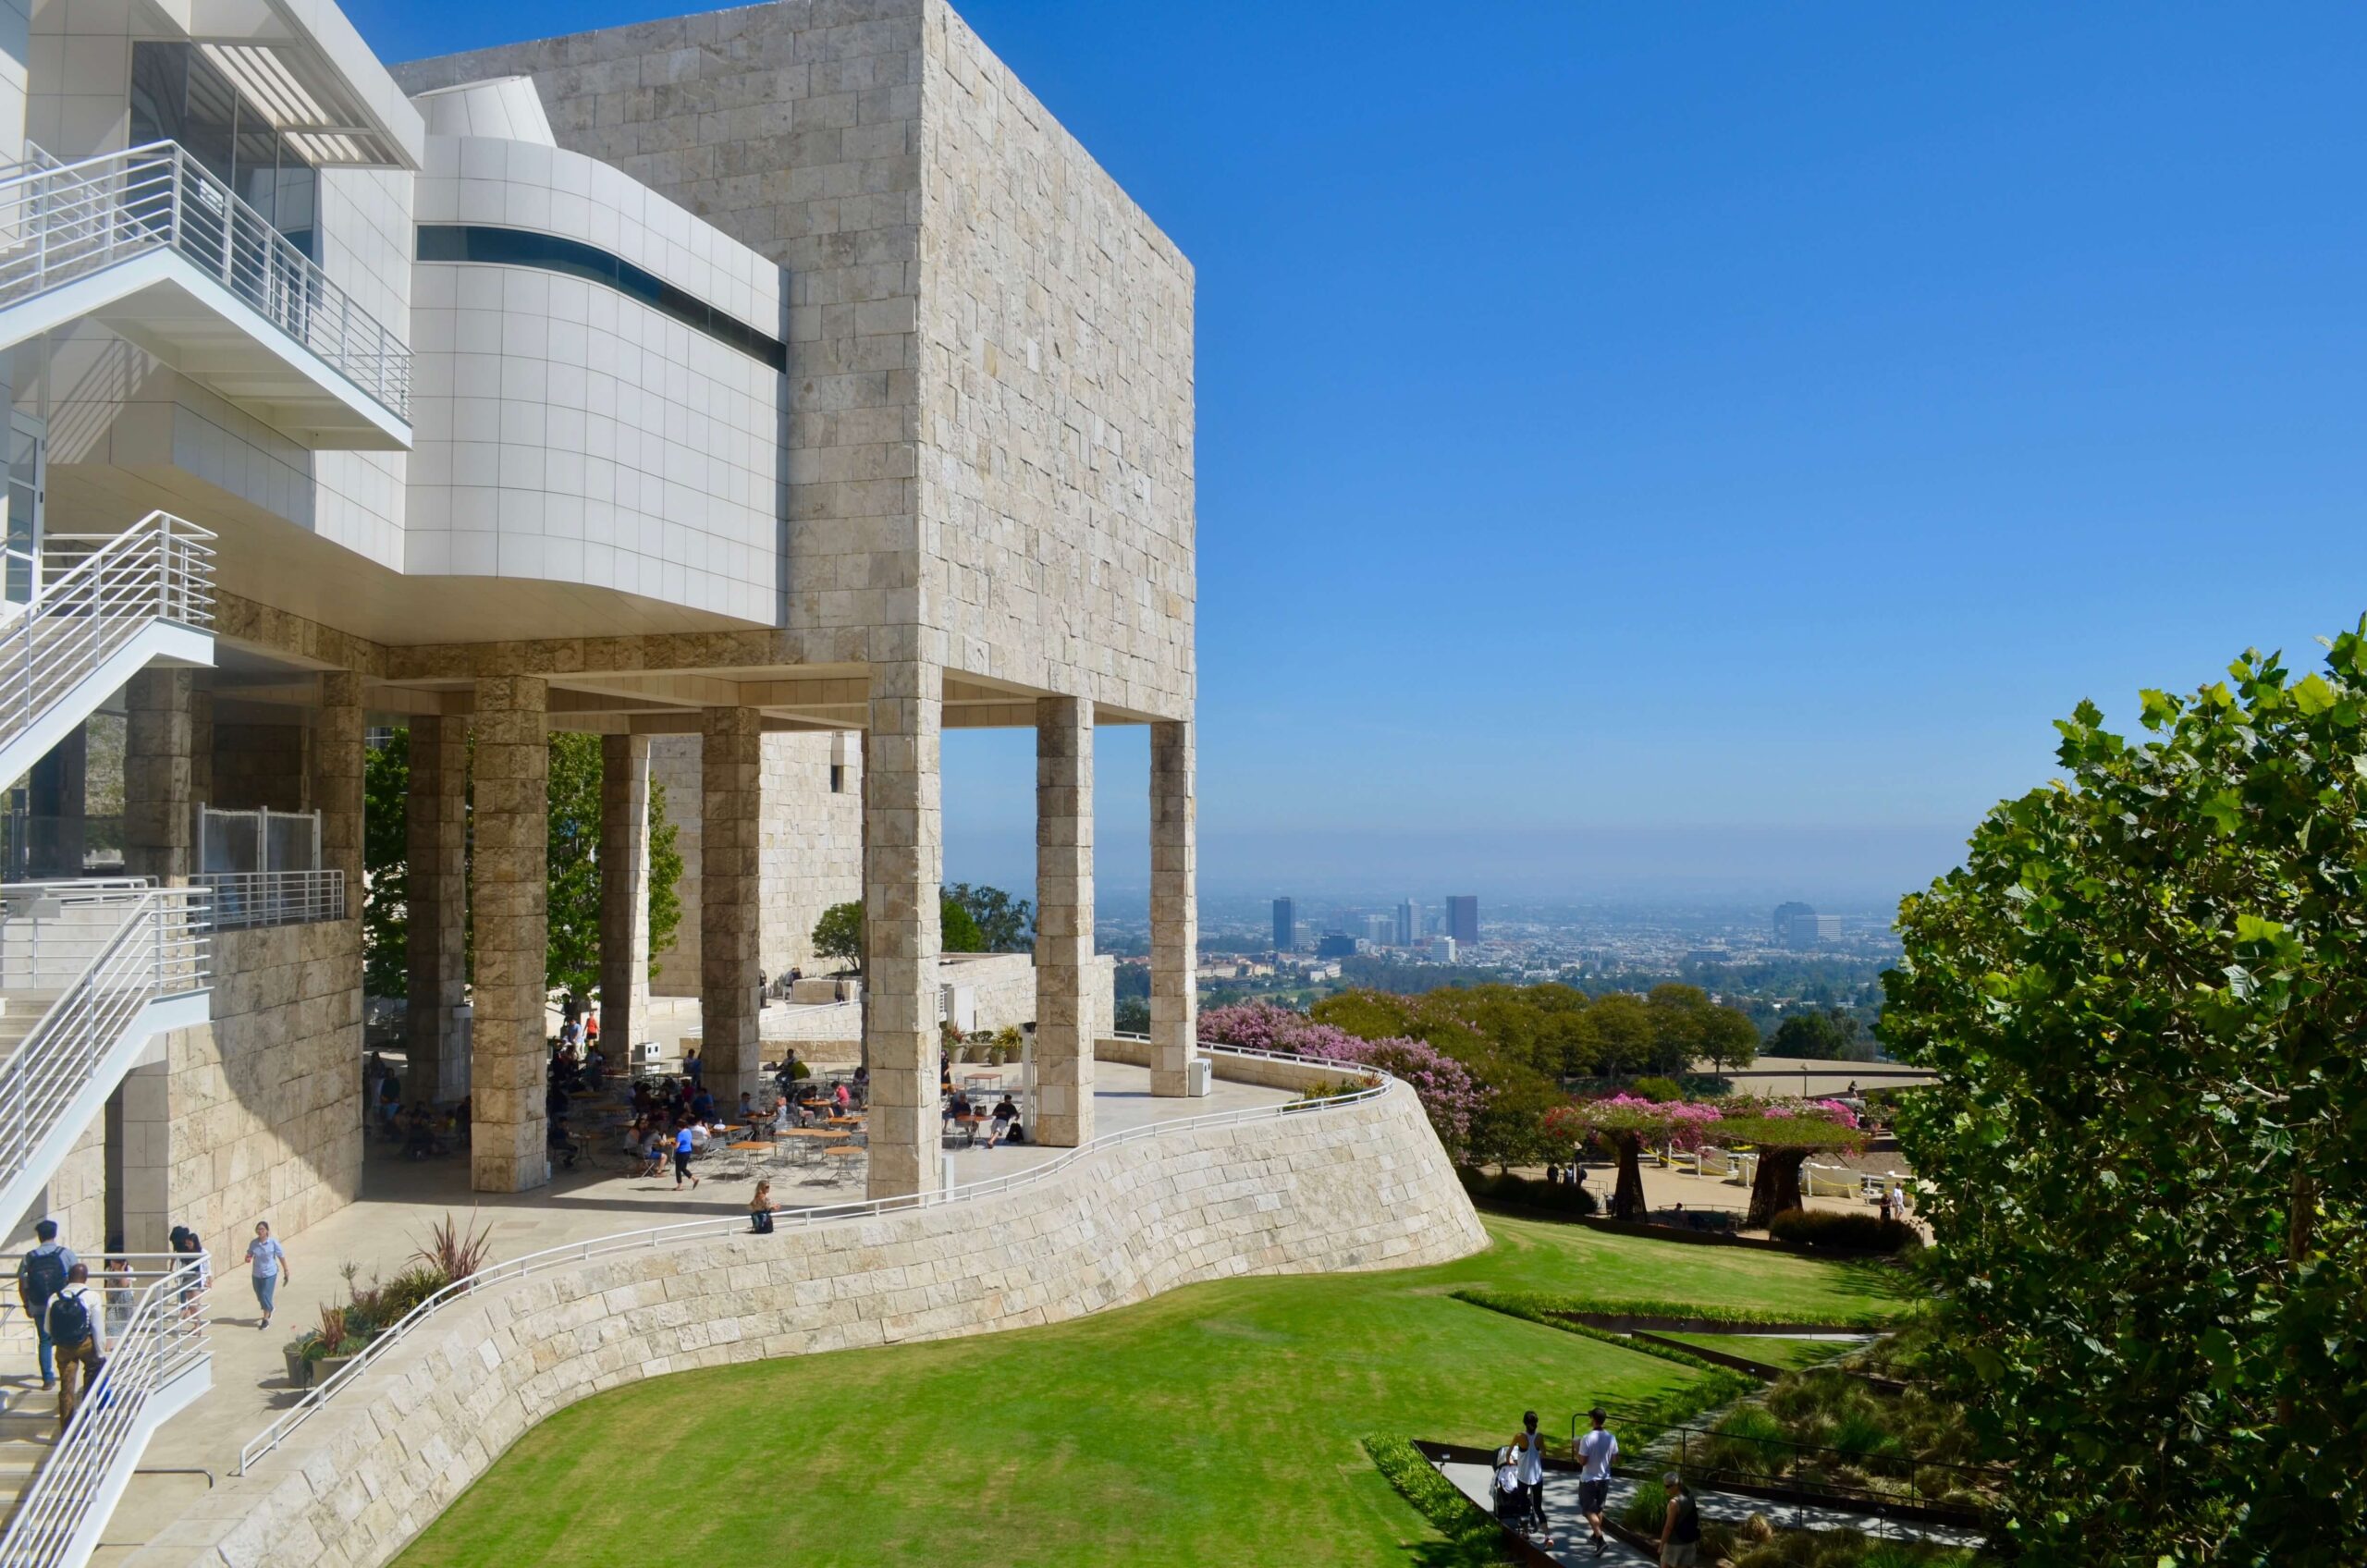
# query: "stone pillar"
[[509, 891], [902, 850], [200, 750], [140, 1150], [337, 763], [624, 893], [1066, 1017], [157, 739], [1174, 910], [436, 895]]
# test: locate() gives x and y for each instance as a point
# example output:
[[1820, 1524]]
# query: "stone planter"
[[328, 1366], [299, 1371]]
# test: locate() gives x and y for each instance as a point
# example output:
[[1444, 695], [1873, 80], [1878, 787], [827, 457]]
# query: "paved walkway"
[[1569, 1528], [401, 1199]]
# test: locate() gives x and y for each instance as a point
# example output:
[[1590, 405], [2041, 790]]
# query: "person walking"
[[1531, 1448], [267, 1264], [683, 1144], [1597, 1450], [41, 1274], [1681, 1526], [75, 1323]]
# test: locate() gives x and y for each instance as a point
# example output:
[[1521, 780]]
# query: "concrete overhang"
[[306, 67]]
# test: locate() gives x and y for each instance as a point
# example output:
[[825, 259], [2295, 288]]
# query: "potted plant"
[[335, 1344], [300, 1352]]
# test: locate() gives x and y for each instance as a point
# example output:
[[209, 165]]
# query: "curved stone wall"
[[1359, 1186]]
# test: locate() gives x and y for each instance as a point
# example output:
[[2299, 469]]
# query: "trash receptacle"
[[1199, 1075]]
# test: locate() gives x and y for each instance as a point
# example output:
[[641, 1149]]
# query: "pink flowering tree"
[[1450, 1098], [1625, 1123]]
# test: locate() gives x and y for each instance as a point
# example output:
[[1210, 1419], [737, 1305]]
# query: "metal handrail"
[[244, 901], [574, 1253], [162, 1339], [66, 221], [109, 949], [159, 569]]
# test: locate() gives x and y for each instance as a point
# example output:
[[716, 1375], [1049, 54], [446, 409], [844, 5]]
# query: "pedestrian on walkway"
[[267, 1261], [75, 1323], [683, 1144], [41, 1274], [1597, 1450], [1530, 1447], [1681, 1527]]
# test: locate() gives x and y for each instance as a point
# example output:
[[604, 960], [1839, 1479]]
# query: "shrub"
[[1564, 1199], [1647, 1507], [1658, 1090], [398, 1296], [1830, 1228]]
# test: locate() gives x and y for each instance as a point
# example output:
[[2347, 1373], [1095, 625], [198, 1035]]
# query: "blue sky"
[[1702, 444]]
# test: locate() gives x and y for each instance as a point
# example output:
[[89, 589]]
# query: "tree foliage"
[[838, 934], [665, 878], [2145, 994], [385, 868], [1783, 1142], [1624, 1124], [572, 909], [1005, 925], [1831, 1035]]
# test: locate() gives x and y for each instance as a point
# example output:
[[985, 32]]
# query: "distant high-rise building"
[[1381, 930], [1799, 927], [1463, 917], [1335, 944], [1409, 923], [1285, 925]]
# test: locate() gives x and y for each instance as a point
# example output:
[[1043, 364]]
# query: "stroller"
[[1504, 1490]]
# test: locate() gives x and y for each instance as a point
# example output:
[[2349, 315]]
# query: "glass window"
[[177, 95]]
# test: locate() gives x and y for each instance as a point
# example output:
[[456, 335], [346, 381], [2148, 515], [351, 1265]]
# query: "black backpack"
[[69, 1319], [45, 1275]]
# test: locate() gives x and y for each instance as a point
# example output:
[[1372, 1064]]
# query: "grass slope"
[[1216, 1423], [1791, 1355]]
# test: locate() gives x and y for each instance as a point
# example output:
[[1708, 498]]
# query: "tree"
[[385, 868], [1728, 1039], [665, 877], [956, 932], [1622, 1028], [1624, 1124], [1005, 925], [2145, 996], [839, 935], [1688, 1027], [1828, 1036], [1784, 1143], [572, 909]]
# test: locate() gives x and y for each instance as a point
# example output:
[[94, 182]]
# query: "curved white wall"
[[568, 433], [1357, 1186], [503, 106]]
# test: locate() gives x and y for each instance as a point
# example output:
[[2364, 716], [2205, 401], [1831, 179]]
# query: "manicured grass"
[[1788, 1354], [1216, 1423]]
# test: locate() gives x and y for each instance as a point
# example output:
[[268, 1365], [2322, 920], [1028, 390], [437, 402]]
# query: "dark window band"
[[573, 258]]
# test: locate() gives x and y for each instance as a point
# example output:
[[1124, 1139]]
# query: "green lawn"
[[1218, 1423], [1791, 1355]]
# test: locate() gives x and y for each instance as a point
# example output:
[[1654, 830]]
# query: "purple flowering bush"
[[1448, 1095]]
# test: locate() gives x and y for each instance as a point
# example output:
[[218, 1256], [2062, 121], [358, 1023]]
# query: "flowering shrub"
[[1829, 1111], [1444, 1087]]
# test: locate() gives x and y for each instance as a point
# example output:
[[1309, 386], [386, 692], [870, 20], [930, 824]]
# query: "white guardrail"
[[65, 221], [105, 948], [575, 1253], [155, 1328], [247, 899], [159, 569]]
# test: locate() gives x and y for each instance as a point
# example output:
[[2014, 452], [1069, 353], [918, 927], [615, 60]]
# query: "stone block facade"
[[1362, 1186]]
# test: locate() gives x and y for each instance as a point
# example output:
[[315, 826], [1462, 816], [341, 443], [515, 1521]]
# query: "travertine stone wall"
[[1064, 999], [730, 771], [259, 766], [813, 843], [265, 1101], [337, 780], [435, 823], [1356, 1187], [903, 857], [625, 891], [510, 893], [157, 746], [1175, 909]]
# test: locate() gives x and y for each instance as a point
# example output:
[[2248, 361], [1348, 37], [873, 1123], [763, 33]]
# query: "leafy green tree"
[[385, 868], [574, 847], [1621, 1027], [838, 934], [2145, 1161], [1005, 925], [665, 878], [1783, 1145], [1831, 1035], [956, 932]]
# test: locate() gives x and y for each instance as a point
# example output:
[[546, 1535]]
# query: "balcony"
[[151, 243]]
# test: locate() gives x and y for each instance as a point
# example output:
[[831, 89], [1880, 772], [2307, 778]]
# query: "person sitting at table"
[[703, 1105], [595, 1069], [561, 1146], [842, 1100], [655, 1150], [1006, 1127], [944, 1077], [761, 1210], [420, 1141], [747, 1109], [784, 1117]]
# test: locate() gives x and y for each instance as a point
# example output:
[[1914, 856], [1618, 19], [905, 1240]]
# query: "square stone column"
[[509, 891], [436, 894], [1066, 1016], [731, 744], [139, 1129], [903, 863], [158, 740], [337, 765], [624, 893], [1174, 910]]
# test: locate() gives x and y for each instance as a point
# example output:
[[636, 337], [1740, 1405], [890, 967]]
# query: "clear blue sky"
[[1714, 441]]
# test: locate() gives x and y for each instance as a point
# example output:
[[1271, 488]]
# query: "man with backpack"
[[76, 1323], [41, 1274]]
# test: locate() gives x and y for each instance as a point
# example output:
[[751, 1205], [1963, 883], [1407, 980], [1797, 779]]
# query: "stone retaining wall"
[[1352, 1187]]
